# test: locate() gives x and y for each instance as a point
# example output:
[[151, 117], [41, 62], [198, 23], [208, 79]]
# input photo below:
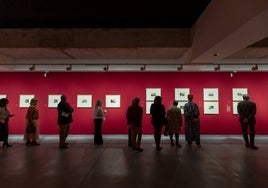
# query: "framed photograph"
[[25, 100], [211, 94], [3, 96], [53, 101], [148, 106], [238, 93], [112, 101], [151, 93], [84, 101], [235, 103], [181, 94], [211, 107], [181, 106]]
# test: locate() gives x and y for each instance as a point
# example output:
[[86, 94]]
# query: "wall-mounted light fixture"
[[218, 67], [143, 68], [254, 68], [69, 68], [32, 68], [106, 68], [45, 74], [180, 68], [232, 74]]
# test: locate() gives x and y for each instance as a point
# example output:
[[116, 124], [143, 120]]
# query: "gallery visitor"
[[192, 121], [31, 133], [134, 121], [247, 111], [157, 110], [64, 119]]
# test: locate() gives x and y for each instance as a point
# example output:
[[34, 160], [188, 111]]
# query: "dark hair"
[[157, 100], [190, 97], [3, 102], [175, 103], [136, 101]]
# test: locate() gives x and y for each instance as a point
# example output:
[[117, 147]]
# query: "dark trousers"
[[4, 133], [129, 138], [251, 127], [63, 133], [157, 135], [176, 137], [98, 132]]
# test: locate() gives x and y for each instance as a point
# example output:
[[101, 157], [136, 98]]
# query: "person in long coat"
[[31, 134], [174, 118], [158, 113], [192, 121]]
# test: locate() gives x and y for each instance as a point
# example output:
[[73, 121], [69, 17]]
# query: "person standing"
[[134, 119], [192, 121], [174, 118], [247, 111], [4, 122], [64, 119], [99, 117], [158, 113], [31, 135]]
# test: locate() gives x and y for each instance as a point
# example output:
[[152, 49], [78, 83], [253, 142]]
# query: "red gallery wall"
[[130, 85]]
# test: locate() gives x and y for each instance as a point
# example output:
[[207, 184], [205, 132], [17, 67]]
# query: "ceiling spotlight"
[[106, 68], [143, 68], [32, 68], [254, 68], [218, 67], [69, 68], [215, 54], [180, 68]]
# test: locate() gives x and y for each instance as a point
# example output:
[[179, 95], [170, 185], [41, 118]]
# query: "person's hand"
[[245, 120]]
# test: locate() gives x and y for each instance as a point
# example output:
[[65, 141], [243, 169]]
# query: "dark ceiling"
[[100, 13]]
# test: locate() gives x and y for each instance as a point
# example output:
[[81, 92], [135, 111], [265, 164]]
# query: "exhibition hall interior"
[[116, 51]]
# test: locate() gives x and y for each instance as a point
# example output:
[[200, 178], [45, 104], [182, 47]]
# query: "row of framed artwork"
[[210, 95], [83, 101], [211, 99]]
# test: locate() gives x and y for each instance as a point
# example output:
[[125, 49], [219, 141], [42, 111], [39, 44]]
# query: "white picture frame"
[[235, 103], [3, 96], [238, 93], [148, 106], [211, 107], [112, 101], [181, 94], [25, 100], [181, 105], [151, 93], [53, 101], [84, 101], [211, 94]]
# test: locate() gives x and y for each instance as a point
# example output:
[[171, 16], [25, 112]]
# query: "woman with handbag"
[[31, 135]]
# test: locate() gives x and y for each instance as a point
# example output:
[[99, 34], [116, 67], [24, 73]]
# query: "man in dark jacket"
[[247, 111], [64, 119]]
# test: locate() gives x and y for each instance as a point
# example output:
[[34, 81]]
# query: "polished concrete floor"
[[221, 162]]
